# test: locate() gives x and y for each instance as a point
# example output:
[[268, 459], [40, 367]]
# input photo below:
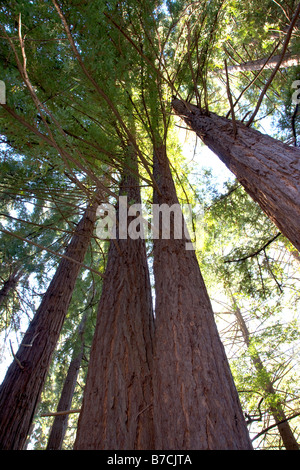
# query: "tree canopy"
[[86, 81]]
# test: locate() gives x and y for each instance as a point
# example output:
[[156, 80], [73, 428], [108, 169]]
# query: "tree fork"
[[268, 169]]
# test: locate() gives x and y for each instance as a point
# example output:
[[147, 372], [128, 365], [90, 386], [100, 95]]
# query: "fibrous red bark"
[[268, 169], [60, 423], [196, 405], [21, 388], [117, 403]]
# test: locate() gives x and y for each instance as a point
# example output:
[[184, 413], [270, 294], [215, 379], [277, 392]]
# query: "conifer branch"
[[43, 248], [252, 255], [230, 101], [15, 357], [285, 46], [264, 431], [59, 413], [102, 93]]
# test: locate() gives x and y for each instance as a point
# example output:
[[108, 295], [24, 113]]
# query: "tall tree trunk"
[[60, 422], [196, 405], [284, 429], [289, 60], [10, 284], [22, 386], [268, 169], [117, 404]]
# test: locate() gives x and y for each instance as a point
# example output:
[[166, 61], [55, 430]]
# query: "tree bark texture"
[[196, 405], [60, 422], [287, 436], [268, 169], [22, 386], [117, 403]]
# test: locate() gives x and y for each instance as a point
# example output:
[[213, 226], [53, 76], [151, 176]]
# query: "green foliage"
[[247, 266], [73, 111]]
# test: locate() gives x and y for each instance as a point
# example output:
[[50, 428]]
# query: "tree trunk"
[[268, 169], [284, 429], [60, 422], [22, 386], [117, 404], [196, 405], [296, 255], [289, 60], [10, 285]]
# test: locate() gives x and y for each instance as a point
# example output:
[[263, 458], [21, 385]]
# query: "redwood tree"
[[289, 60], [117, 403], [268, 169], [191, 374], [22, 386], [60, 423], [196, 405]]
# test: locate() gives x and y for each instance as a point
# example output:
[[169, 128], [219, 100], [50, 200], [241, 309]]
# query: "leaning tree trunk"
[[117, 404], [196, 405], [290, 60], [60, 422], [268, 169], [22, 386], [279, 416]]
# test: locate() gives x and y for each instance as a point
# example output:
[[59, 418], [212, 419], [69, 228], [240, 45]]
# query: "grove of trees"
[[128, 342]]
